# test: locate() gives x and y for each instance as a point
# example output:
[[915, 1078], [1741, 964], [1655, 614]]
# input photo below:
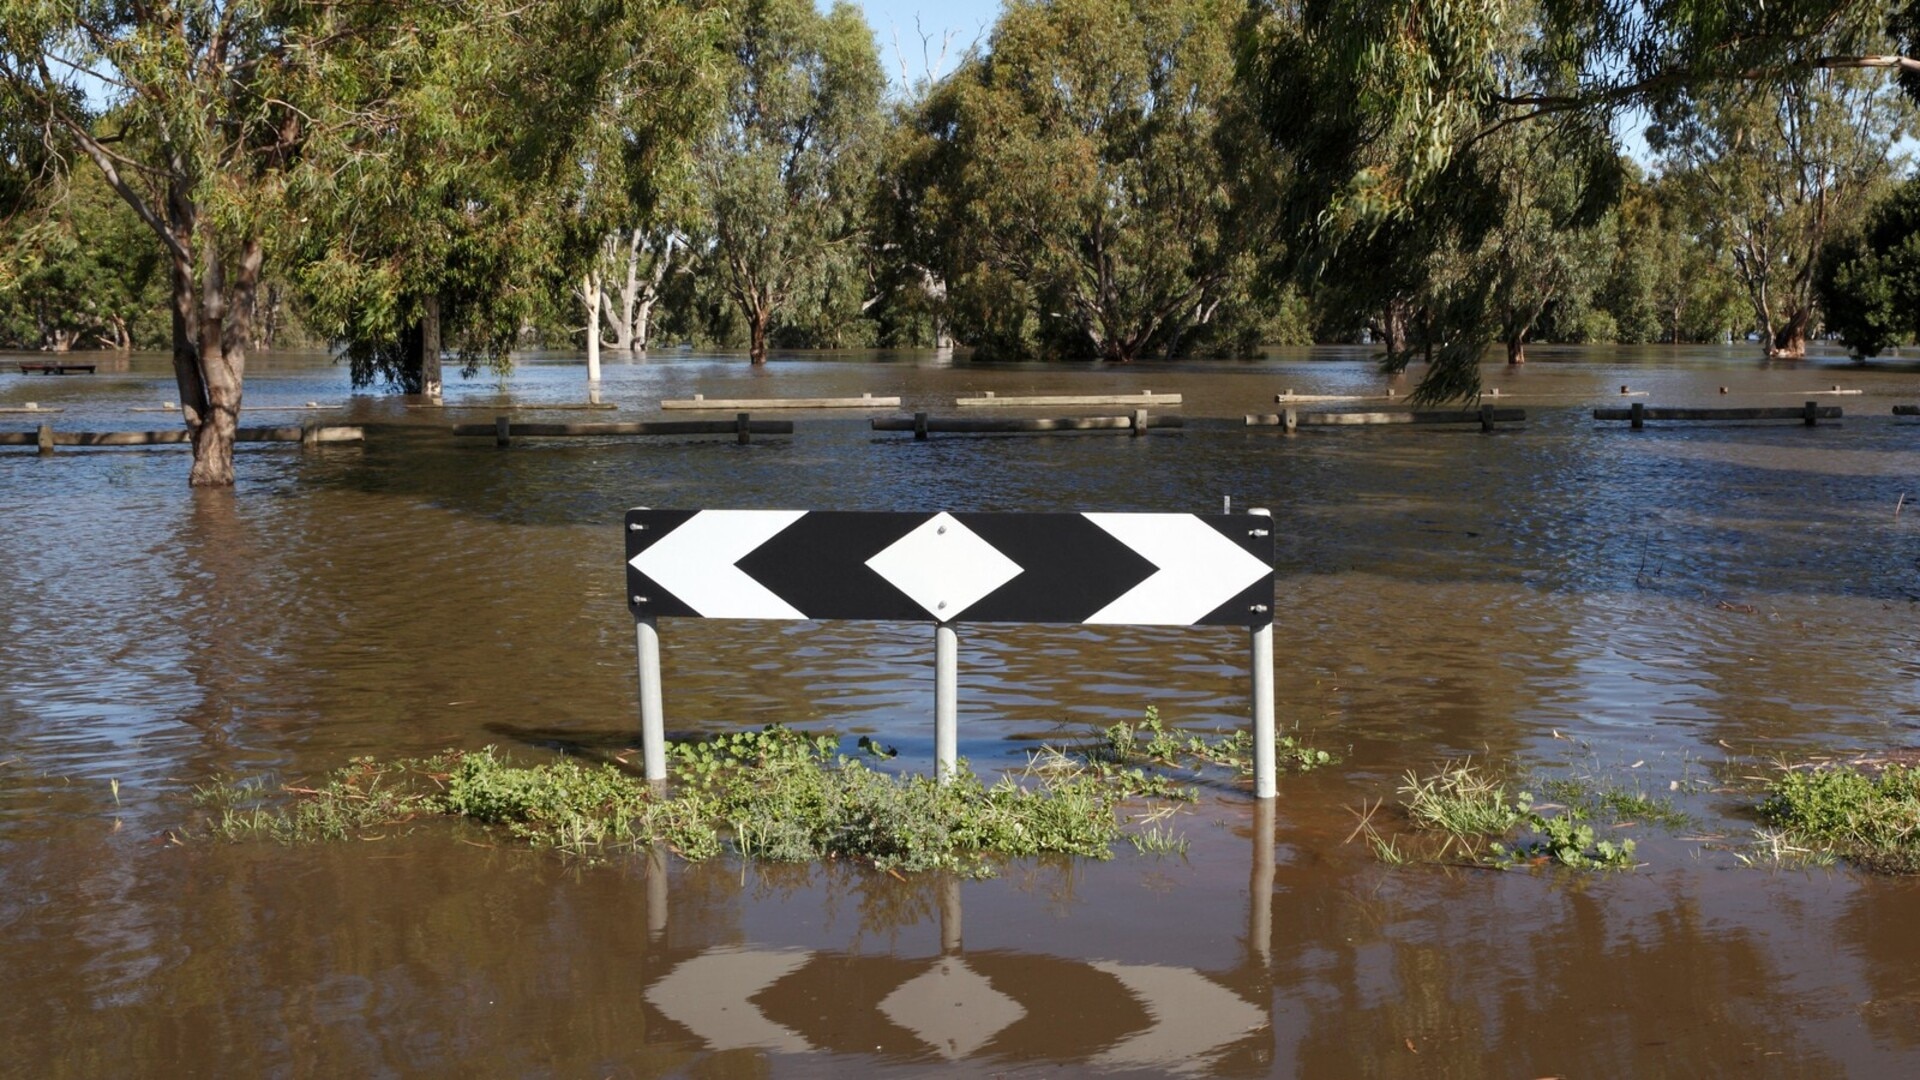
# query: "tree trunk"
[[590, 296], [1790, 340], [757, 321], [430, 347], [218, 359], [1393, 327], [1517, 349]]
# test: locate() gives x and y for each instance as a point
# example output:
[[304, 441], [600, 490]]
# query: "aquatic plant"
[[1469, 807], [1844, 812], [1152, 741], [775, 794]]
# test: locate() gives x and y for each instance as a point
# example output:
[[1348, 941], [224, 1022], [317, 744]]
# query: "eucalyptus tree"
[[783, 177], [1869, 279], [81, 271], [208, 108], [1773, 169], [1077, 189], [1376, 100], [507, 136]]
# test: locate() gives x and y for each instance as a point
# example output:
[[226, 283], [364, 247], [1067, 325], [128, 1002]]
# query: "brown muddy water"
[[1666, 611]]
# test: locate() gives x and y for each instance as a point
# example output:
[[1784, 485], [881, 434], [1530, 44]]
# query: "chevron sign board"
[[1138, 569]]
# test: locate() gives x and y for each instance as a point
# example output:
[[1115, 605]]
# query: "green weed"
[[1152, 742], [1842, 812], [1470, 807], [774, 795]]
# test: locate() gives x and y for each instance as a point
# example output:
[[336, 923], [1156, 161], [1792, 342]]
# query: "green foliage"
[[1869, 281], [783, 179], [775, 795], [1769, 170], [1472, 808], [1151, 741], [1840, 811], [1089, 188]]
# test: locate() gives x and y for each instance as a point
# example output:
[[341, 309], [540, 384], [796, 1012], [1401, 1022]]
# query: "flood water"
[[1666, 610]]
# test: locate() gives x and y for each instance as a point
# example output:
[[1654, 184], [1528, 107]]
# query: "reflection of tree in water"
[[1055, 880], [1433, 976]]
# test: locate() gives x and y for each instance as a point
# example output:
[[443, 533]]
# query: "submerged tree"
[[1378, 99], [1078, 189], [209, 106], [783, 177], [1772, 171], [1869, 281]]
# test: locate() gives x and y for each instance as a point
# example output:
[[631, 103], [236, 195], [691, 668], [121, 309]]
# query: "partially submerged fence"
[[742, 427], [46, 438], [1809, 414], [1290, 420], [922, 425]]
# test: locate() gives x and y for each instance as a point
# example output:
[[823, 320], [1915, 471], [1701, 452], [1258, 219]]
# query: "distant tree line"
[[1100, 180]]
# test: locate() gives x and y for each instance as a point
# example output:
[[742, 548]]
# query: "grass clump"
[[1470, 809], [1151, 741], [1615, 803], [1842, 812], [776, 795]]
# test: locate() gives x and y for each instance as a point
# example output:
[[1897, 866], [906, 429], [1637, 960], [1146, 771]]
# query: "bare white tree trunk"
[[590, 296]]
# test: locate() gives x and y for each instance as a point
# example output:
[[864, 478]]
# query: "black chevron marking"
[[1071, 568], [657, 524], [818, 564], [1253, 608]]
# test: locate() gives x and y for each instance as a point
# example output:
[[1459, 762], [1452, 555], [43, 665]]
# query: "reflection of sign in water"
[[712, 995], [1192, 1016], [1108, 1015], [953, 1008]]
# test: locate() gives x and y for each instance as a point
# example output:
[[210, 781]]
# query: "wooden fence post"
[[743, 436], [502, 432], [1639, 416], [46, 440]]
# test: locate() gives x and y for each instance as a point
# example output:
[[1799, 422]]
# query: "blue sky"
[[967, 20]]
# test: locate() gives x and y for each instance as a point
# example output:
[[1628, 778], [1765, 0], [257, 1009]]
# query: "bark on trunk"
[[757, 330], [1393, 327], [1517, 349], [590, 296], [1790, 340], [430, 348]]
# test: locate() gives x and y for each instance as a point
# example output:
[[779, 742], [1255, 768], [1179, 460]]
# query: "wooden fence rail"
[[922, 424], [743, 427], [1809, 414], [1486, 416], [46, 438]]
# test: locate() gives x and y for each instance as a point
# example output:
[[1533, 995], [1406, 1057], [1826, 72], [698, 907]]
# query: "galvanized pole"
[[653, 725], [1265, 785], [946, 701]]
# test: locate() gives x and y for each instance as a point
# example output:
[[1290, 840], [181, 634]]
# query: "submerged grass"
[[775, 795], [1152, 742], [1834, 812], [1474, 816]]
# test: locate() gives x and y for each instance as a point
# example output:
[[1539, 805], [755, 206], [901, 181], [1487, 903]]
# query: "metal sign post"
[[1091, 568]]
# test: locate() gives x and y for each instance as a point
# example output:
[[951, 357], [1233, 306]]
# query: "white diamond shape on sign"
[[944, 566]]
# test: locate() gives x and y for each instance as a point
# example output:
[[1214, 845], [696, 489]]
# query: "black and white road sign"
[[1141, 569]]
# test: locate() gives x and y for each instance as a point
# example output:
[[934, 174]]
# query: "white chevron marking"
[[951, 1006], [1199, 569], [695, 562], [711, 996], [1193, 1017]]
